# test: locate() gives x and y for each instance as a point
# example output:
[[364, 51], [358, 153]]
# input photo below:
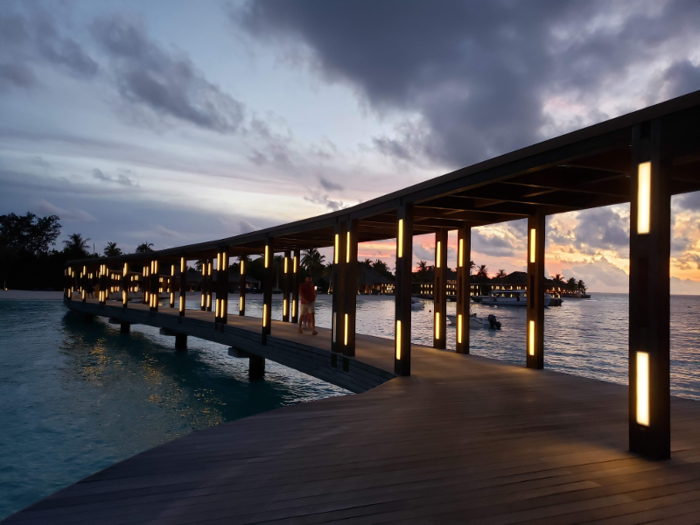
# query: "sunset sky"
[[172, 122]]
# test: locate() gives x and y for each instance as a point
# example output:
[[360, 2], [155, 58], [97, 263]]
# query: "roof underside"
[[581, 170]]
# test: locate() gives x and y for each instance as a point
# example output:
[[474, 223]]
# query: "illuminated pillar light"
[[460, 261], [437, 255], [398, 340], [531, 338], [242, 267], [208, 300], [216, 313], [294, 308], [643, 388], [182, 304], [533, 249], [202, 301], [124, 301], [336, 248], [296, 263], [264, 315], [240, 304], [644, 197], [182, 265], [267, 255], [459, 328], [286, 265], [400, 239], [172, 298], [83, 295], [209, 269], [437, 325], [284, 307], [345, 338], [172, 270], [347, 251]]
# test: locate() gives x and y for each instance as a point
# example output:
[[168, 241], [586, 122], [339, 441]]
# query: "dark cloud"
[[478, 75], [320, 198], [329, 185], [601, 228], [44, 207], [690, 201], [29, 37], [495, 245], [164, 81], [120, 178]]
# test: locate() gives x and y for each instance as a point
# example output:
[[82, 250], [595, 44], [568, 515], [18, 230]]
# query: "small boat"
[[477, 322], [510, 298], [416, 304]]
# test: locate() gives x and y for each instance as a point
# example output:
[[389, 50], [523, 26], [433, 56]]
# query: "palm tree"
[[581, 286], [571, 284], [76, 246], [111, 250], [558, 278], [146, 247], [422, 266], [472, 266], [501, 274], [313, 261], [483, 272]]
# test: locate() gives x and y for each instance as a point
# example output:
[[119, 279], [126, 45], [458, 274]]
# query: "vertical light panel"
[[459, 328], [286, 265], [643, 197], [182, 303], [267, 256], [124, 297], [182, 265], [438, 248], [345, 326], [216, 312], [284, 306], [296, 262], [209, 301], [533, 245], [399, 253], [126, 269], [240, 304], [437, 325], [209, 269], [460, 257], [202, 300], [531, 338], [335, 249], [242, 267], [398, 340], [347, 249], [264, 315], [643, 388], [294, 308]]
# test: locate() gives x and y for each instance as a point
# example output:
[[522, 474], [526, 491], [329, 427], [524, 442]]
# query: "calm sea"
[[76, 398]]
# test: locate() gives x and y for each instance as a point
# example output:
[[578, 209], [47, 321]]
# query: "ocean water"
[[76, 397]]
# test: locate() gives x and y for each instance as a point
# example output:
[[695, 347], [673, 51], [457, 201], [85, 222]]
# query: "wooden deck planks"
[[464, 439]]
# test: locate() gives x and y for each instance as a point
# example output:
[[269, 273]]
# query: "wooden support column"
[[268, 277], [535, 291], [203, 287], [464, 248], [440, 291], [241, 285], [67, 284], [295, 286], [256, 367], [183, 285], [145, 283], [350, 306], [154, 286], [221, 286], [210, 284], [104, 284], [404, 278], [171, 285], [649, 295], [83, 284], [125, 285], [286, 287], [339, 278]]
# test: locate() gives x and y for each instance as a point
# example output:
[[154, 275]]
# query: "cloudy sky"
[[171, 122]]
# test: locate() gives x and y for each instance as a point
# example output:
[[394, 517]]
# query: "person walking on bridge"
[[307, 294]]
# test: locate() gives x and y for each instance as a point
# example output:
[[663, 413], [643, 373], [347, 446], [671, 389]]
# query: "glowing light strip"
[[295, 264], [531, 338], [345, 340], [347, 249], [267, 256], [398, 340], [284, 307], [294, 308], [242, 267], [182, 303], [216, 314], [208, 300], [209, 269], [533, 243], [124, 297], [399, 240], [202, 301], [182, 265], [643, 388], [437, 325], [264, 315], [644, 197], [438, 249], [459, 328], [336, 248], [286, 265], [240, 304], [461, 253]]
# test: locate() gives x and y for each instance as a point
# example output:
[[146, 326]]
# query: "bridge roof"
[[584, 169]]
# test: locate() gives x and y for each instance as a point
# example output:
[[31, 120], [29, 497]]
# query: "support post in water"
[[295, 286], [402, 298], [181, 342], [256, 367], [183, 285], [242, 261], [464, 248], [286, 287], [535, 291], [649, 300], [222, 286], [439, 291]]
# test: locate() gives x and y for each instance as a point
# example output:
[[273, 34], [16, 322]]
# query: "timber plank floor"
[[463, 440]]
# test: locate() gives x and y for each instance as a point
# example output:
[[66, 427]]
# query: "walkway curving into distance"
[[462, 439]]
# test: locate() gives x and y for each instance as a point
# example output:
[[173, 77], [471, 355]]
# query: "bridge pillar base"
[[125, 328], [181, 342], [256, 369]]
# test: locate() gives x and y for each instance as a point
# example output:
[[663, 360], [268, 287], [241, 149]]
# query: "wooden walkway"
[[463, 440]]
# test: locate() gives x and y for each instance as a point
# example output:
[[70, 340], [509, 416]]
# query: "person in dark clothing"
[[307, 295]]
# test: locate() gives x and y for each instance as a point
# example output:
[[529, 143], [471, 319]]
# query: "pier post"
[[649, 295], [221, 310], [210, 283], [203, 286], [171, 285], [256, 367], [295, 286], [181, 342], [535, 291], [154, 280], [241, 284], [104, 284], [439, 291], [350, 306], [268, 276], [339, 265], [464, 248], [402, 299], [83, 284], [286, 287], [183, 284]]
